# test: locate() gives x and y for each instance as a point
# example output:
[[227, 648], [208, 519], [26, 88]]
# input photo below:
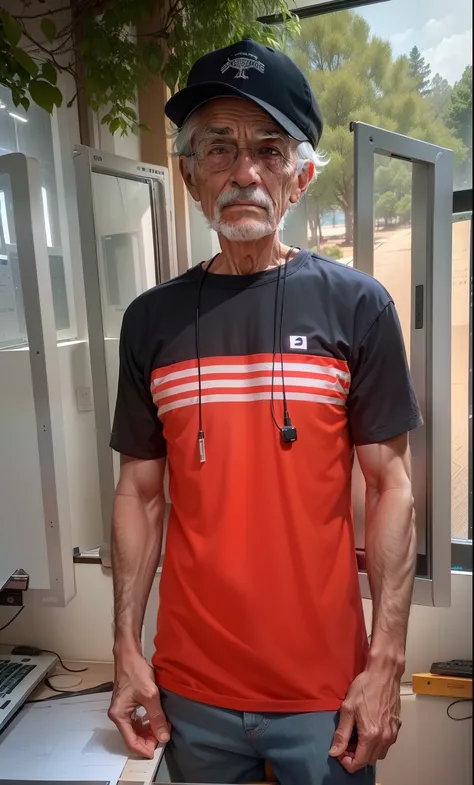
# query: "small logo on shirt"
[[298, 342]]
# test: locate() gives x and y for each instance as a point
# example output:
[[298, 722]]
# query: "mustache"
[[249, 194]]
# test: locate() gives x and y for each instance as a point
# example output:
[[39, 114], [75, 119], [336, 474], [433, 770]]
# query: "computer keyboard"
[[11, 674], [460, 668]]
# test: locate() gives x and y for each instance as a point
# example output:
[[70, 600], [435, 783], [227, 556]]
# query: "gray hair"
[[182, 139]]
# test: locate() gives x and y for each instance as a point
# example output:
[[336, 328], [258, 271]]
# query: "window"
[[31, 134], [404, 67]]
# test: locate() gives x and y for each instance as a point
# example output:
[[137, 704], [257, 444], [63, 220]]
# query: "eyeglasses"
[[217, 156]]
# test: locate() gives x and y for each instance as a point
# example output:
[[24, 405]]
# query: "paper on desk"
[[63, 739]]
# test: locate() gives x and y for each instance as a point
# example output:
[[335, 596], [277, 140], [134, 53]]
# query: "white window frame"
[[430, 332], [25, 182], [86, 162]]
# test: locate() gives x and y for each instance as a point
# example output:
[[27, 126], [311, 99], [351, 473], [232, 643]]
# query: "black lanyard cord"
[[201, 442]]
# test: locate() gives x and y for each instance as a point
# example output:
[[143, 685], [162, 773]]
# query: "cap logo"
[[242, 63]]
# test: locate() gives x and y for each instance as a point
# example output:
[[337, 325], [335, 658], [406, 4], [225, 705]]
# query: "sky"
[[441, 29]]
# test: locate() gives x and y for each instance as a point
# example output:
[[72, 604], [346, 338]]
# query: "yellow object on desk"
[[444, 686]]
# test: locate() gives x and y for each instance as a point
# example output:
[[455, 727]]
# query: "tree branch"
[[61, 68], [45, 12]]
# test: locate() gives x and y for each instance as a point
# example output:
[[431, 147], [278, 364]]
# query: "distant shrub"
[[333, 251]]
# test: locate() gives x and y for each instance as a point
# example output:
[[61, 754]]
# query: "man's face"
[[243, 193]]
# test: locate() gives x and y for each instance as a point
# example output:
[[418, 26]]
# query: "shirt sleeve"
[[382, 403], [137, 430]]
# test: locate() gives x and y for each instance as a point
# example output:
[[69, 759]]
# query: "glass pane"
[[460, 376], [127, 264], [12, 315], [392, 267], [30, 133], [125, 245], [392, 240]]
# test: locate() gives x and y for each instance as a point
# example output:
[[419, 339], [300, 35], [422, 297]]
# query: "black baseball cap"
[[265, 76]]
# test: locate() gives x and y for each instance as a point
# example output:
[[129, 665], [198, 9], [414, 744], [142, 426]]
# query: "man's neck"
[[246, 258]]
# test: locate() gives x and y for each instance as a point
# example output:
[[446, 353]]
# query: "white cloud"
[[436, 29], [451, 55], [399, 38]]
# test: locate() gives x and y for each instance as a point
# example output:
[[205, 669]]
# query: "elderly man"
[[256, 375]]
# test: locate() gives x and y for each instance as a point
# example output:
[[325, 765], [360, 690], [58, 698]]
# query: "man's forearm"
[[391, 561], [137, 536]]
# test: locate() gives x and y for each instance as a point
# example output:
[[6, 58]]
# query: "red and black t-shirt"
[[260, 607]]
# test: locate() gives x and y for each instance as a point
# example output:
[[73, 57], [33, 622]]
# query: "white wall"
[[431, 750]]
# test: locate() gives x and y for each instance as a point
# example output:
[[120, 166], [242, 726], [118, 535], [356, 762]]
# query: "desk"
[[136, 771]]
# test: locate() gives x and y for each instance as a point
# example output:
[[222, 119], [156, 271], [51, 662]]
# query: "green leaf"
[[129, 112], [114, 125], [25, 103], [170, 74], [11, 28], [25, 61], [153, 57], [45, 94], [143, 127], [49, 29], [106, 119], [48, 72]]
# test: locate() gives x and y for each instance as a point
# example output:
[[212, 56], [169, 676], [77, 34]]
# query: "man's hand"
[[135, 686], [372, 704]]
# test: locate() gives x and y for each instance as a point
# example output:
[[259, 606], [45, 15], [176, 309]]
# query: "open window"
[[127, 239], [416, 270]]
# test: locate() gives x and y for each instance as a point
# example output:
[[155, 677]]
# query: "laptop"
[[19, 676]]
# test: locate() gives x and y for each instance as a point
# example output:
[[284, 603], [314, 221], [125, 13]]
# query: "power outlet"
[[85, 401]]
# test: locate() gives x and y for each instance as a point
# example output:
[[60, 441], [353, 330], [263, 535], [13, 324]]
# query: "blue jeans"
[[215, 745]]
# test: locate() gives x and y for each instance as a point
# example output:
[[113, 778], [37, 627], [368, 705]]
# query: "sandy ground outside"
[[392, 263]]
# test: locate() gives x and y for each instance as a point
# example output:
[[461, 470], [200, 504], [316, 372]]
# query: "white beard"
[[243, 232], [248, 230]]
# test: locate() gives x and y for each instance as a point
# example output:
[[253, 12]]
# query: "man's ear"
[[303, 182], [187, 173]]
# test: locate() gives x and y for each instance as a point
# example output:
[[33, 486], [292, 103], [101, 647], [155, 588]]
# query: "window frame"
[[430, 337], [328, 7], [88, 162], [461, 549]]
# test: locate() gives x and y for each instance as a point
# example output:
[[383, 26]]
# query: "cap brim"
[[182, 105]]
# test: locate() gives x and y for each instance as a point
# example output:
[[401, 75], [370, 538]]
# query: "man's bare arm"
[[137, 535], [390, 545], [373, 700]]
